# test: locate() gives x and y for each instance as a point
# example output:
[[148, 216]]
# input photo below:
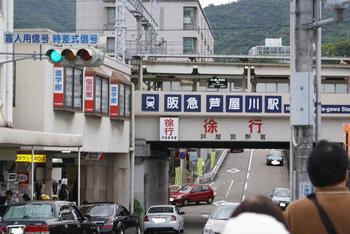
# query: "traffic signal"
[[76, 57]]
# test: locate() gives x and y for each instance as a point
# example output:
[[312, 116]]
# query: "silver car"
[[163, 218], [218, 218], [281, 197]]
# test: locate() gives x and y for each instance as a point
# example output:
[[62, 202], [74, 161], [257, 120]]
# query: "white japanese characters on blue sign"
[[192, 103], [234, 103], [150, 102], [273, 104], [114, 94], [253, 103], [215, 103], [48, 38], [58, 79], [172, 103]]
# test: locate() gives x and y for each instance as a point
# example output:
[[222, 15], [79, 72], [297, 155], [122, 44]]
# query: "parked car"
[[218, 218], [192, 193], [281, 197], [55, 217], [275, 158], [3, 208], [111, 217], [163, 218]]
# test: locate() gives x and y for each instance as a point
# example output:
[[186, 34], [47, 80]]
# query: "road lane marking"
[[229, 188], [247, 176], [211, 184], [233, 170]]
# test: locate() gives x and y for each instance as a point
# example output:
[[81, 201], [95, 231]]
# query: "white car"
[[218, 218], [163, 218]]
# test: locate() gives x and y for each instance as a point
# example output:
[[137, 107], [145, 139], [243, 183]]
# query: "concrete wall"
[[6, 78], [34, 110]]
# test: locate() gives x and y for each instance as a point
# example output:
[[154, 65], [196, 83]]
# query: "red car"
[[192, 193]]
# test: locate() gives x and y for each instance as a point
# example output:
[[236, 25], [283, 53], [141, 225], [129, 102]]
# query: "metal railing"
[[210, 176]]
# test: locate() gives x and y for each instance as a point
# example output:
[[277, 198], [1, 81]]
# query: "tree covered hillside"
[[243, 24]]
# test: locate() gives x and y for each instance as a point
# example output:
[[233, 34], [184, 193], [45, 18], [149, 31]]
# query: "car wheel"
[[185, 202], [210, 200]]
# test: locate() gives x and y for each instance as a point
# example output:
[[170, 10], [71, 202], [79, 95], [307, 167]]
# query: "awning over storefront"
[[19, 137], [120, 78]]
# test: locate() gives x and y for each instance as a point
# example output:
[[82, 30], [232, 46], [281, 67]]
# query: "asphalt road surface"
[[241, 175]]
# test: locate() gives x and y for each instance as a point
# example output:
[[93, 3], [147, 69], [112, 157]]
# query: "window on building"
[[110, 18], [110, 44], [73, 88], [101, 95], [189, 45], [190, 18]]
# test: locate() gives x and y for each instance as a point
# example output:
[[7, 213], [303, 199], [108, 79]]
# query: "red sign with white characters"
[[114, 100], [89, 94], [58, 86]]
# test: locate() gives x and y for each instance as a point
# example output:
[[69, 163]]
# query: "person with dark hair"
[[326, 211], [25, 197], [261, 205], [256, 214], [7, 199]]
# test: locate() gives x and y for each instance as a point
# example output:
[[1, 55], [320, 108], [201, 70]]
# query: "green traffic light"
[[55, 56]]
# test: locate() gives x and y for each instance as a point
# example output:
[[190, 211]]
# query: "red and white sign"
[[255, 124], [114, 100], [58, 86], [89, 94], [169, 129]]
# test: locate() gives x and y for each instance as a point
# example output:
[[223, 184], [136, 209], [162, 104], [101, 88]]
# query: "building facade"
[[183, 27], [91, 102]]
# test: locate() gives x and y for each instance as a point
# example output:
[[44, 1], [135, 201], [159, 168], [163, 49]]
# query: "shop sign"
[[169, 129], [23, 177], [89, 94], [38, 158], [58, 86], [217, 83], [113, 100]]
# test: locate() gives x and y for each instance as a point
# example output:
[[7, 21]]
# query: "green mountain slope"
[[241, 25], [56, 15]]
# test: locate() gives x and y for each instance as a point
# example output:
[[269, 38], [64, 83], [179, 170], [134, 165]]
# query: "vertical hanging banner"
[[114, 100], [89, 94], [200, 166], [58, 86], [212, 159], [169, 129]]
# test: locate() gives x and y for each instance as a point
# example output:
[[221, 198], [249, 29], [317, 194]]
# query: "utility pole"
[[305, 31], [302, 116]]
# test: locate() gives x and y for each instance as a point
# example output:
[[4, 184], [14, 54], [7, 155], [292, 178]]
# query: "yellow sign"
[[38, 158]]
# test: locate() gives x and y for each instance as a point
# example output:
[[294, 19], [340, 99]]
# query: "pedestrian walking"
[[326, 211], [7, 199], [63, 193]]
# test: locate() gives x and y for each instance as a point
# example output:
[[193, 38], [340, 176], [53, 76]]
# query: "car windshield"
[[100, 210], [161, 209], [275, 154], [281, 193], [29, 211], [184, 189], [223, 212]]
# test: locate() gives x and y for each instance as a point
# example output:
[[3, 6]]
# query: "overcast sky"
[[215, 2]]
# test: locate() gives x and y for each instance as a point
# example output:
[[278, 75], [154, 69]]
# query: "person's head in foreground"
[[327, 164], [260, 205], [254, 223]]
